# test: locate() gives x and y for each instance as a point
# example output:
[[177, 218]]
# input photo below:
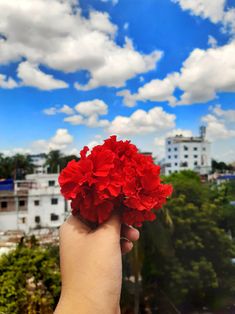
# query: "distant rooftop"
[[182, 139]]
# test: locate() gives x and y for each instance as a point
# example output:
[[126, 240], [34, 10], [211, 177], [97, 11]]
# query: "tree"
[[187, 265], [15, 167], [57, 161], [29, 280]]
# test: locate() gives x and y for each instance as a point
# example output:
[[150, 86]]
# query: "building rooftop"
[[183, 139]]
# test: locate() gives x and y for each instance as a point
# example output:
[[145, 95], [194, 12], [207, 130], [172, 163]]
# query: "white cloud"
[[50, 111], [114, 2], [121, 64], [67, 110], [89, 114], [213, 10], [126, 26], [54, 110], [54, 33], [61, 140], [91, 121], [201, 77], [212, 41], [31, 75], [142, 122], [91, 107], [228, 115], [75, 119], [7, 82], [219, 124]]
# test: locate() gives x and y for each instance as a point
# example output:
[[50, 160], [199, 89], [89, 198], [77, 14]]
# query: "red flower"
[[114, 176]]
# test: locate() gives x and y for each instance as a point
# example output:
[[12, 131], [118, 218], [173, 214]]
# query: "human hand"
[[91, 265]]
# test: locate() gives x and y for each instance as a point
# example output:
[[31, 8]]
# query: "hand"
[[91, 266]]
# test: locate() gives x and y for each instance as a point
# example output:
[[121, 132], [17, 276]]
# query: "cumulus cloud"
[[54, 110], [228, 115], [212, 41], [219, 124], [55, 34], [61, 140], [7, 82], [31, 75], [142, 122], [213, 10], [201, 78], [89, 114], [88, 108]]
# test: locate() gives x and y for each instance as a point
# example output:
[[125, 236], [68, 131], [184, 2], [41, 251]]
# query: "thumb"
[[111, 226]]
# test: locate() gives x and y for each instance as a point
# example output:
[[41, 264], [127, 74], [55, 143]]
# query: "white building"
[[188, 153], [39, 161], [35, 203]]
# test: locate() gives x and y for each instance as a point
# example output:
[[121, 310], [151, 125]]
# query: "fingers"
[[128, 234], [126, 246]]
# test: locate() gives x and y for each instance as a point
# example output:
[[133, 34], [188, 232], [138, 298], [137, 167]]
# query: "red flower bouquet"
[[114, 176]]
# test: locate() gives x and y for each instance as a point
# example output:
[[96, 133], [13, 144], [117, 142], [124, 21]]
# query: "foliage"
[[188, 265], [56, 161], [29, 280], [221, 166], [15, 167]]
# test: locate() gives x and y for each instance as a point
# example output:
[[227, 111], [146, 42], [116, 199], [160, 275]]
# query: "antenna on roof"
[[202, 131]]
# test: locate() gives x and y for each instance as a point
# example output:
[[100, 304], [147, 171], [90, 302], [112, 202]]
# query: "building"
[[188, 153], [33, 204], [38, 162]]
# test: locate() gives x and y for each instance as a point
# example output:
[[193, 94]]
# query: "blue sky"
[[72, 73]]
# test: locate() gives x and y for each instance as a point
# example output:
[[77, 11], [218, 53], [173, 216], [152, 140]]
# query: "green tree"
[[187, 265], [15, 167], [56, 161], [29, 280]]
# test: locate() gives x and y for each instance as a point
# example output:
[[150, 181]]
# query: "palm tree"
[[53, 161]]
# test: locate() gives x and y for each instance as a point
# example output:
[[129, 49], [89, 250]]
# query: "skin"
[[91, 265]]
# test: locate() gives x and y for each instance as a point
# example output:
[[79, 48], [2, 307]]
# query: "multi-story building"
[[188, 153], [34, 203], [39, 161]]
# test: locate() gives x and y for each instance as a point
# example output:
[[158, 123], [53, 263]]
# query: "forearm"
[[75, 304]]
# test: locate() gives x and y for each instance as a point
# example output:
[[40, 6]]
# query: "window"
[[36, 203], [51, 183], [37, 219], [54, 201], [204, 148], [195, 156], [176, 156], [54, 217], [169, 149], [170, 171], [195, 148], [195, 163], [21, 203], [184, 164], [176, 164], [185, 156], [169, 142], [175, 149], [3, 204], [169, 157], [176, 171], [185, 147], [23, 220]]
